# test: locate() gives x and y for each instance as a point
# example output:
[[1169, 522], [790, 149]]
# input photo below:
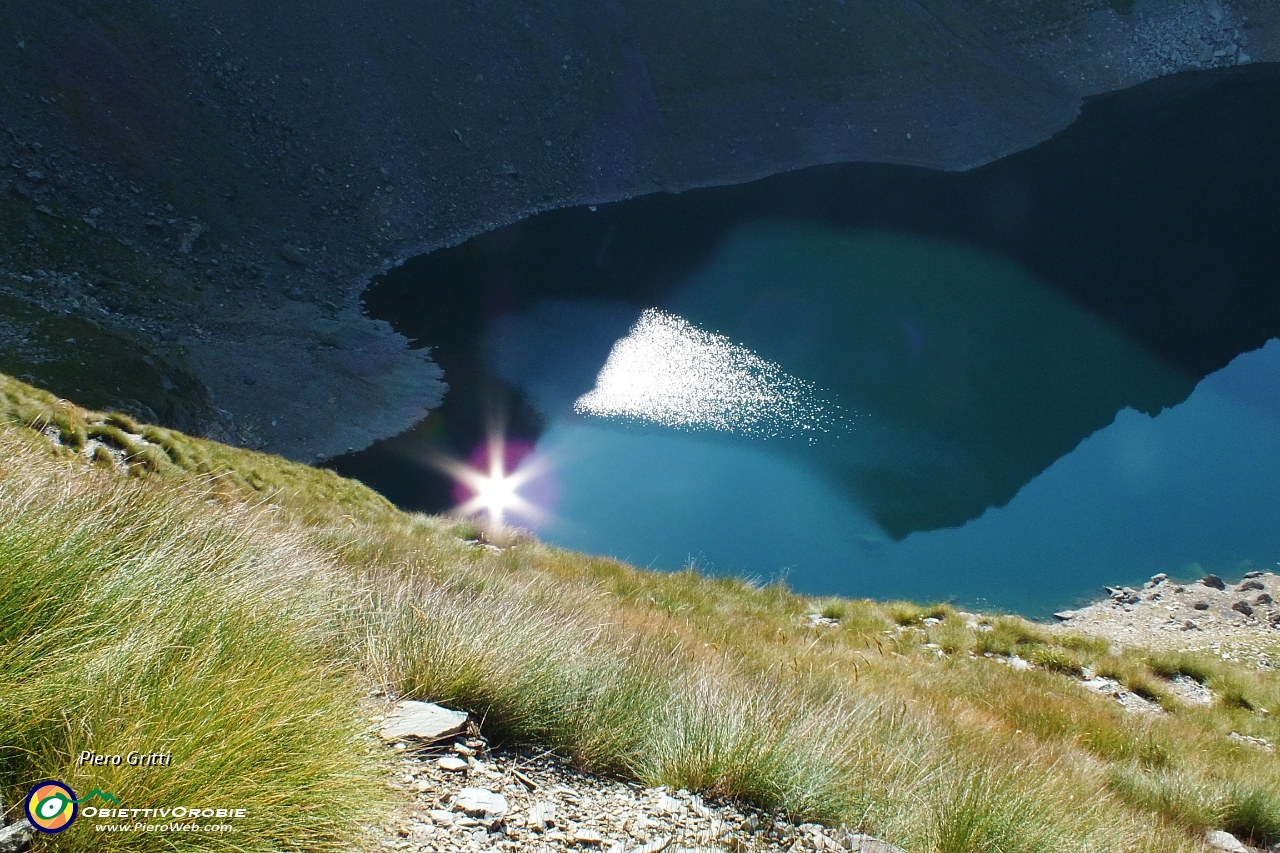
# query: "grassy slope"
[[228, 606]]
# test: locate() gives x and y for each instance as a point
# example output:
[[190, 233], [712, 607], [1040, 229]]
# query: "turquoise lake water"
[[1004, 387], [1182, 490]]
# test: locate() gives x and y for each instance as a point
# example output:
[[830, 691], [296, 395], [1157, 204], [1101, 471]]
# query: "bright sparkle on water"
[[672, 373]]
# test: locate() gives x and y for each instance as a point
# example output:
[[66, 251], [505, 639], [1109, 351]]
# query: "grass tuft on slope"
[[137, 618]]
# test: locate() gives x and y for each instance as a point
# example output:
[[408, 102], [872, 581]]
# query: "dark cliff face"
[[232, 172]]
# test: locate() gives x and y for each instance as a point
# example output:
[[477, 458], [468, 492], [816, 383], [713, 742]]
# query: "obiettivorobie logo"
[[52, 806]]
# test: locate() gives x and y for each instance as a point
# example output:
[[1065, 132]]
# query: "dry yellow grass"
[[902, 719]]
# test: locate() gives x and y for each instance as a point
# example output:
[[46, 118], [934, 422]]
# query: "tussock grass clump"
[[1135, 676], [132, 618], [1198, 666], [1009, 635], [908, 613]]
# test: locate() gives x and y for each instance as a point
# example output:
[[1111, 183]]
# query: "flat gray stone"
[[542, 814], [478, 802], [422, 720]]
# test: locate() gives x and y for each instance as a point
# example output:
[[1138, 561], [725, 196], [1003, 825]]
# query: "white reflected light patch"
[[670, 372]]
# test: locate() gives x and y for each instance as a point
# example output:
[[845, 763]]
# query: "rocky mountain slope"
[[216, 182]]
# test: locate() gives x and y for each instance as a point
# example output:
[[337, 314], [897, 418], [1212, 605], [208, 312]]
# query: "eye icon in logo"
[[51, 806]]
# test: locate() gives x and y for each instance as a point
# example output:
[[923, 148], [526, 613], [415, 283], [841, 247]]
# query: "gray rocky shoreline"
[[1235, 621]]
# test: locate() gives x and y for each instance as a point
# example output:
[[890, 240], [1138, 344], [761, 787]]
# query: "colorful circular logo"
[[51, 806]]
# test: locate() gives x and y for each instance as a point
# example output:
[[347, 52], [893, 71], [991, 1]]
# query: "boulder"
[[422, 720], [1213, 582], [1242, 607]]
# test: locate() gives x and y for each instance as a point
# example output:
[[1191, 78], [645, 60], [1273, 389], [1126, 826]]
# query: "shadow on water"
[[980, 324]]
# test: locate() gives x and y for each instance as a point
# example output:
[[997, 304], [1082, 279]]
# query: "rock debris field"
[[462, 796], [1232, 621]]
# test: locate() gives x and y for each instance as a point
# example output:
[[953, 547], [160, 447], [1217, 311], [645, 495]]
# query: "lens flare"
[[493, 490]]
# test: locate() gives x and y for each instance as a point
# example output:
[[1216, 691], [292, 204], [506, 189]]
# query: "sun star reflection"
[[495, 492]]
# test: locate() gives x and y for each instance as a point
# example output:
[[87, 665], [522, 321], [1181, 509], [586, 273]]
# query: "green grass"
[[132, 618], [234, 608]]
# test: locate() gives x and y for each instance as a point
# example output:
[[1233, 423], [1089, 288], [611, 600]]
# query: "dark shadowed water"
[[1008, 386]]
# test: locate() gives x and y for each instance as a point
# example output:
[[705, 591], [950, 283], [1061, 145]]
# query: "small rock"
[[293, 255], [422, 720], [1159, 578], [451, 763], [859, 843], [542, 815], [1264, 598], [1200, 605], [1224, 841], [1189, 625], [655, 846], [1213, 582], [189, 241], [441, 817], [16, 837], [1018, 663], [477, 802], [1257, 742], [587, 836], [1065, 615], [1253, 574], [35, 175], [1242, 607], [669, 805], [1252, 583]]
